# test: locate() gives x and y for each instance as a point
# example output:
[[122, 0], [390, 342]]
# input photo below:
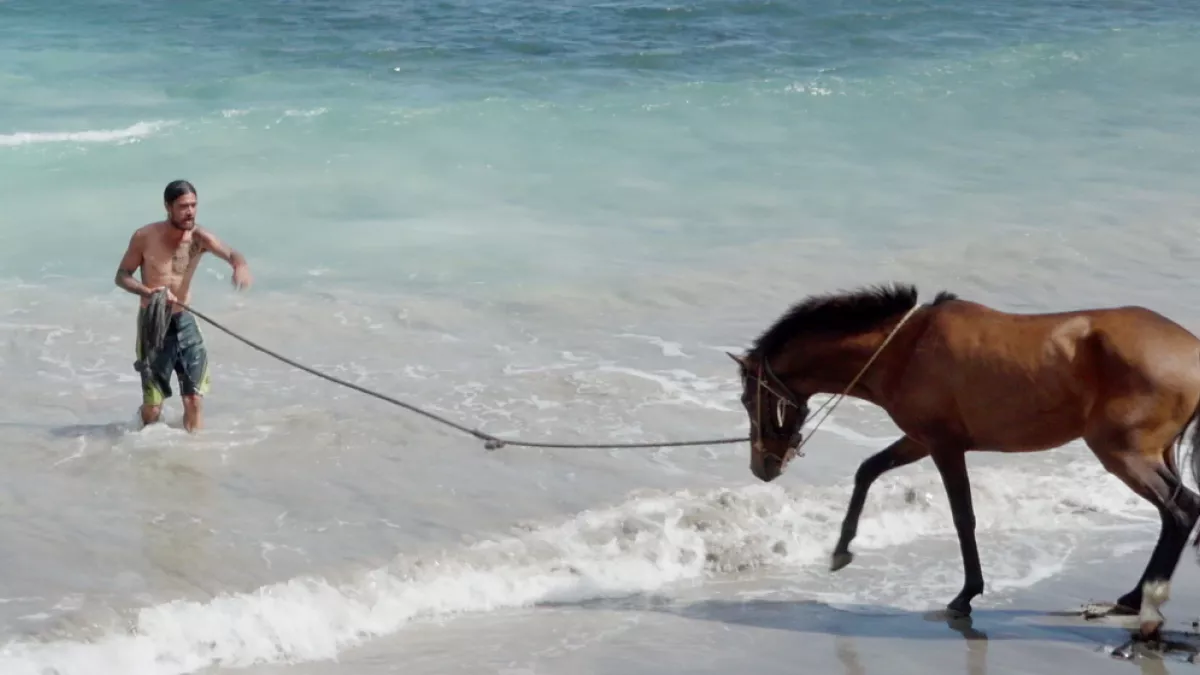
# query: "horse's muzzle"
[[767, 466], [766, 469]]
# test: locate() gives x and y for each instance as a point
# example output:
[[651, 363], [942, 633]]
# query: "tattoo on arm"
[[126, 280], [130, 261]]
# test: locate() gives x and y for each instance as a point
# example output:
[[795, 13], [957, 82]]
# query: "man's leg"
[[156, 381], [156, 388], [191, 366], [193, 407]]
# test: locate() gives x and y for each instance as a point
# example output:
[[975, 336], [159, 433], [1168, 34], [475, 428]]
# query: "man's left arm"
[[241, 269]]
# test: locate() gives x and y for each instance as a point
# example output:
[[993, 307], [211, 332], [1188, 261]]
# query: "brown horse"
[[957, 376]]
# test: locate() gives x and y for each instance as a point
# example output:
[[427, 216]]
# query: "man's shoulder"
[[148, 229], [203, 235]]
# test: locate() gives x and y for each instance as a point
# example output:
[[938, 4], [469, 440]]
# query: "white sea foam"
[[130, 134], [646, 544]]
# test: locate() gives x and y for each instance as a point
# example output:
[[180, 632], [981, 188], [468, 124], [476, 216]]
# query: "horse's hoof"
[[840, 560], [1150, 619], [958, 610]]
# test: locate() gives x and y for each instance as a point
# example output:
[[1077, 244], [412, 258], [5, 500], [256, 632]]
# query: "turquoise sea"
[[549, 219]]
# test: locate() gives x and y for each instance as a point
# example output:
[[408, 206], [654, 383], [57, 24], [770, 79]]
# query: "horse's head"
[[776, 415], [823, 344]]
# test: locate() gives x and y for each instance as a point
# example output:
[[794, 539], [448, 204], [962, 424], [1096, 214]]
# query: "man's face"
[[182, 212]]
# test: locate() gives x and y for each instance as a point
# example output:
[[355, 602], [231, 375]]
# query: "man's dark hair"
[[176, 189]]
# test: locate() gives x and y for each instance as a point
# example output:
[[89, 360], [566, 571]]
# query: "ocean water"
[[547, 220]]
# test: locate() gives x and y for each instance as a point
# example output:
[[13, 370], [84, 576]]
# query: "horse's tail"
[[1193, 443]]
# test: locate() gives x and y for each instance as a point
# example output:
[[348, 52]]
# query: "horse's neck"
[[840, 365]]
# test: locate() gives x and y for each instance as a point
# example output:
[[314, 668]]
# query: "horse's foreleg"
[[901, 453], [952, 465]]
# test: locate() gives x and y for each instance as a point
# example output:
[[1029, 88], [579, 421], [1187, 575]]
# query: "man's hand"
[[241, 276], [171, 299]]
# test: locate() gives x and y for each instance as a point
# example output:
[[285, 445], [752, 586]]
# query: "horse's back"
[[1034, 380], [1126, 324], [1129, 336]]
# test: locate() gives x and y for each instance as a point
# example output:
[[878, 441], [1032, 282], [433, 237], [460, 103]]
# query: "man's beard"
[[182, 224]]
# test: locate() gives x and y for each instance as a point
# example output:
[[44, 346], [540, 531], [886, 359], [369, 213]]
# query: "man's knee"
[[150, 413]]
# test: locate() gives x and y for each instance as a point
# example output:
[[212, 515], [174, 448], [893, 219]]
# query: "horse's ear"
[[740, 360]]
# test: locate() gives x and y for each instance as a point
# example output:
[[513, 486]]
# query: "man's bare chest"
[[174, 257]]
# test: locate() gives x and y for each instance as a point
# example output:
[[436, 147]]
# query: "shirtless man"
[[168, 253]]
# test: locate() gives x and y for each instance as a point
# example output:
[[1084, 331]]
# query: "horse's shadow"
[[847, 622], [860, 621]]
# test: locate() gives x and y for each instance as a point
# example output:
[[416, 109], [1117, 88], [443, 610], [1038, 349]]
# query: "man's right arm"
[[129, 264]]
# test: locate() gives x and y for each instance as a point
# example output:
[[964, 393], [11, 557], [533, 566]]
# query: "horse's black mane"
[[842, 312]]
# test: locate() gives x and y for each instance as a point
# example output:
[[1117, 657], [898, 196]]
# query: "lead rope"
[[490, 442], [494, 442]]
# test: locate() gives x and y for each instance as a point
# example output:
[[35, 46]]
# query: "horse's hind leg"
[[901, 453], [1179, 516], [1156, 479]]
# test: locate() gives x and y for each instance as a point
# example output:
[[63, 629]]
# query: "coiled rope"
[[152, 330], [158, 304]]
